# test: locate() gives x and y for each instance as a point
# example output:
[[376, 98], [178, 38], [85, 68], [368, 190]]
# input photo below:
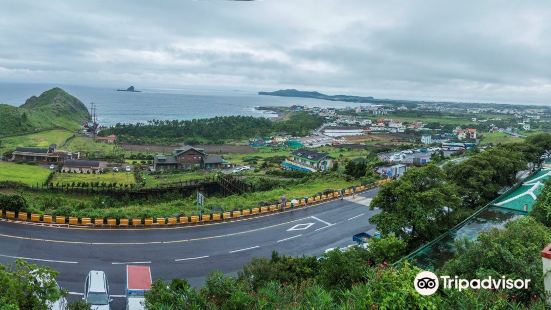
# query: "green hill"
[[54, 108]]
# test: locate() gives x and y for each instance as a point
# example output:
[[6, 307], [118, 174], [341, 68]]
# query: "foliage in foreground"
[[19, 288]]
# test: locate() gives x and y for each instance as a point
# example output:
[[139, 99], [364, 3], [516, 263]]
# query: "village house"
[[83, 166], [108, 139], [189, 158], [308, 161], [467, 133], [34, 154]]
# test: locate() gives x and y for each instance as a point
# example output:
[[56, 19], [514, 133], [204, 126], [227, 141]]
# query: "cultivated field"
[[108, 178], [23, 173], [39, 139]]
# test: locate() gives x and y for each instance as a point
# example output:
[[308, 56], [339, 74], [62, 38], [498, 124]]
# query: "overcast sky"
[[437, 50]]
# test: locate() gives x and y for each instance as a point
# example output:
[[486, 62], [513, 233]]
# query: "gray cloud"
[[467, 50]]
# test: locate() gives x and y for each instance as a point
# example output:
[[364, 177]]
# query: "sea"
[[114, 106]]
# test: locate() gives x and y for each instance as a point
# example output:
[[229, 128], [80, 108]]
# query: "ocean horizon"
[[114, 106]]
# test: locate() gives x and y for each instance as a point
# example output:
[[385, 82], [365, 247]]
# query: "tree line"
[[215, 130], [427, 201]]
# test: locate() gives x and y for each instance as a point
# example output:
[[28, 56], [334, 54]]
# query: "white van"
[[96, 290]]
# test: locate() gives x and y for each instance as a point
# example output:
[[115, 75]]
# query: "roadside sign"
[[200, 199]]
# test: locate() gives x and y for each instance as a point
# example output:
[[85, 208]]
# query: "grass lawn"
[[88, 145], [499, 137], [109, 177], [154, 180], [39, 139], [23, 173]]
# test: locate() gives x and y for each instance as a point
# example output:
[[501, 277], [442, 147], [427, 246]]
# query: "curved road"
[[189, 252]]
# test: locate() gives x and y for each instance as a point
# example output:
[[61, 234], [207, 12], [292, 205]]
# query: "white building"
[[426, 139], [343, 131]]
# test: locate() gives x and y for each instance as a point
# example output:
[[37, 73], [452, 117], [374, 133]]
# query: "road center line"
[[356, 216], [39, 259], [293, 237], [245, 249], [324, 222], [126, 263], [190, 258]]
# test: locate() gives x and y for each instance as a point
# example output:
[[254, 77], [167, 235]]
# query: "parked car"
[[116, 169], [96, 291], [128, 169], [52, 167]]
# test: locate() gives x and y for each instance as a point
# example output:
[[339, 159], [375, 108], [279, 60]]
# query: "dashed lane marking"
[[190, 258], [245, 249], [293, 237], [355, 216], [39, 259]]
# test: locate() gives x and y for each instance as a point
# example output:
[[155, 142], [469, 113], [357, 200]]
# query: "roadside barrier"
[[161, 221]]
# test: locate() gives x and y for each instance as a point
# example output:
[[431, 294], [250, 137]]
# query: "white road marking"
[[190, 258], [39, 259], [127, 263], [355, 216], [245, 249], [293, 237], [75, 293], [301, 226], [324, 227], [324, 222], [155, 242]]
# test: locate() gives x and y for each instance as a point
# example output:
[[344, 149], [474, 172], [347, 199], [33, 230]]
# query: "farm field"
[[110, 177], [88, 146], [23, 173], [39, 139], [499, 137]]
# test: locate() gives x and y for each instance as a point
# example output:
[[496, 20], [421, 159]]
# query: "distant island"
[[129, 89], [372, 100]]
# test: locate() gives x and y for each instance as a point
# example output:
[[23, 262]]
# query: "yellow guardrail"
[[24, 216]]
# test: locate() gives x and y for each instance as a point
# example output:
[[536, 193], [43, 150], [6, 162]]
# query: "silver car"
[[96, 290]]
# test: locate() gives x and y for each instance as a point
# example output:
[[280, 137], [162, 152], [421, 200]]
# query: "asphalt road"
[[189, 252]]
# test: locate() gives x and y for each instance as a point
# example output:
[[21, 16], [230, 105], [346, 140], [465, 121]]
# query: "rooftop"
[[311, 155]]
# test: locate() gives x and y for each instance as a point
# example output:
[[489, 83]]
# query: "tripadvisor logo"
[[426, 283]]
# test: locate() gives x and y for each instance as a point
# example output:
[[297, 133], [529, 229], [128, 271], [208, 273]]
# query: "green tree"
[[79, 305], [28, 286], [513, 252], [386, 249], [416, 207]]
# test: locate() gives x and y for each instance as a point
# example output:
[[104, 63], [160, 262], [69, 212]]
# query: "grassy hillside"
[[54, 108]]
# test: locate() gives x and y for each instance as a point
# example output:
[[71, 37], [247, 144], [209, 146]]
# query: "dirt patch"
[[209, 148]]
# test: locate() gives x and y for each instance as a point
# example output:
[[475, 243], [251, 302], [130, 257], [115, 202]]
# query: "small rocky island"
[[129, 89]]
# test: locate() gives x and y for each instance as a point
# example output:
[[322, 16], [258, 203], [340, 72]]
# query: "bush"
[[13, 202]]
